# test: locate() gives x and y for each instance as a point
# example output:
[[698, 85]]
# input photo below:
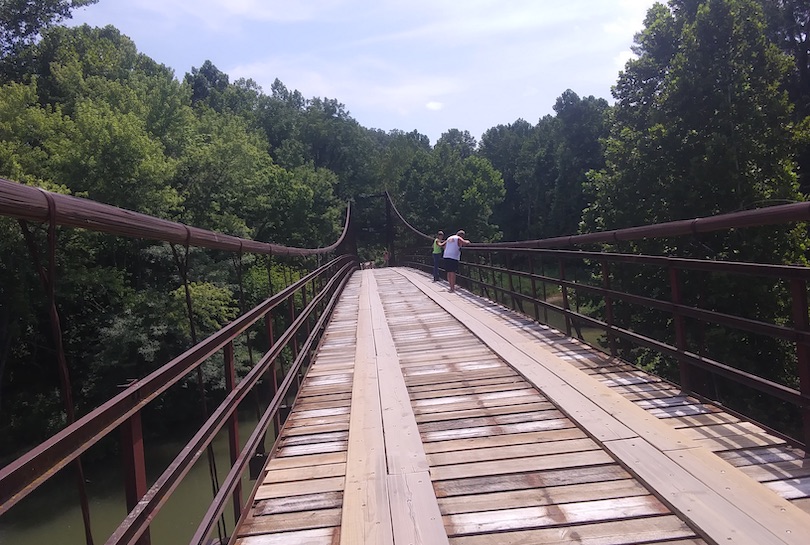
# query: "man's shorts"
[[450, 265]]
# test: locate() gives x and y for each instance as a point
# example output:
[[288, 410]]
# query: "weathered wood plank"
[[320, 536], [307, 502], [479, 412], [525, 518], [642, 530], [542, 496], [287, 522], [366, 511], [521, 465], [300, 488], [306, 461], [414, 510], [563, 434], [523, 481], [511, 451], [304, 473]]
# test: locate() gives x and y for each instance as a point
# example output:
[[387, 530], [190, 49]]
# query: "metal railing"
[[591, 295], [304, 308]]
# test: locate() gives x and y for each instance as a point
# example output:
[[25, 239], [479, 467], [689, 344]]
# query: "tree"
[[702, 126], [503, 147], [22, 21]]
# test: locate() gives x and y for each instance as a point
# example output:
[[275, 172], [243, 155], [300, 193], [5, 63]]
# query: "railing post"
[[534, 288], [545, 294], [233, 427], [798, 288], [134, 466], [268, 320], [516, 303], [608, 308], [680, 329], [564, 291]]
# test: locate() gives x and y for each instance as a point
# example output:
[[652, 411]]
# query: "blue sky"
[[428, 65]]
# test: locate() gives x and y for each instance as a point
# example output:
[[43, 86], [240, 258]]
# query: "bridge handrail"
[[136, 523], [217, 506], [26, 473], [770, 215], [29, 203]]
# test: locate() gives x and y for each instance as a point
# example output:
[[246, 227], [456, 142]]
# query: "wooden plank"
[[403, 446], [469, 390], [320, 536], [491, 420], [521, 465], [506, 379], [484, 431], [314, 448], [482, 398], [468, 413], [625, 532], [366, 511], [703, 489], [304, 473], [305, 461], [415, 511], [511, 451], [530, 396], [793, 469], [300, 488], [736, 442], [539, 516], [341, 427], [791, 489], [286, 522], [766, 455], [488, 441], [542, 496], [309, 439], [306, 502]]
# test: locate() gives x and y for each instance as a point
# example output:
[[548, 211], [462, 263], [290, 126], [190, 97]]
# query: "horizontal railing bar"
[[752, 269], [31, 204], [772, 215]]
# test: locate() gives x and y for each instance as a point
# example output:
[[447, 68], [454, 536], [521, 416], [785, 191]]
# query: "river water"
[[51, 515]]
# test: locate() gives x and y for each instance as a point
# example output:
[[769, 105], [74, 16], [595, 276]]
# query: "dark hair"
[[441, 233]]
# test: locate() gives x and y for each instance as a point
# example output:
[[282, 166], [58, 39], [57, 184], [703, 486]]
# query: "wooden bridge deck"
[[430, 417]]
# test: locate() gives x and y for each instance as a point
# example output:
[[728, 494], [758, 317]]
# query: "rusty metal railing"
[[577, 290], [303, 306]]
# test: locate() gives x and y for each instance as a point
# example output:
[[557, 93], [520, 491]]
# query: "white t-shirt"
[[452, 249]]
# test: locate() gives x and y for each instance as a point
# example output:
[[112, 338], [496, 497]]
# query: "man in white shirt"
[[452, 256]]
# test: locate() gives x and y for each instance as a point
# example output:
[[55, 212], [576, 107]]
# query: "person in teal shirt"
[[437, 254]]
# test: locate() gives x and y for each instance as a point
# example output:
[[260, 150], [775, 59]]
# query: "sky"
[[424, 65]]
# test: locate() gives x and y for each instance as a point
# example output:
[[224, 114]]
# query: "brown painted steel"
[[32, 204], [26, 473]]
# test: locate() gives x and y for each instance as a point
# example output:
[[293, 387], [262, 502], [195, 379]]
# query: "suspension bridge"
[[413, 415]]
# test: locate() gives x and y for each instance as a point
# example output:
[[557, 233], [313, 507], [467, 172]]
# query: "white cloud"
[[435, 106], [224, 14]]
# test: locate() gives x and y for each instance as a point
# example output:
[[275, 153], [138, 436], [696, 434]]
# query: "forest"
[[712, 115]]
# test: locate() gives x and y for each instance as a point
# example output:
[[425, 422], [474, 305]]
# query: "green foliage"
[[450, 188], [545, 166], [21, 21], [702, 126]]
